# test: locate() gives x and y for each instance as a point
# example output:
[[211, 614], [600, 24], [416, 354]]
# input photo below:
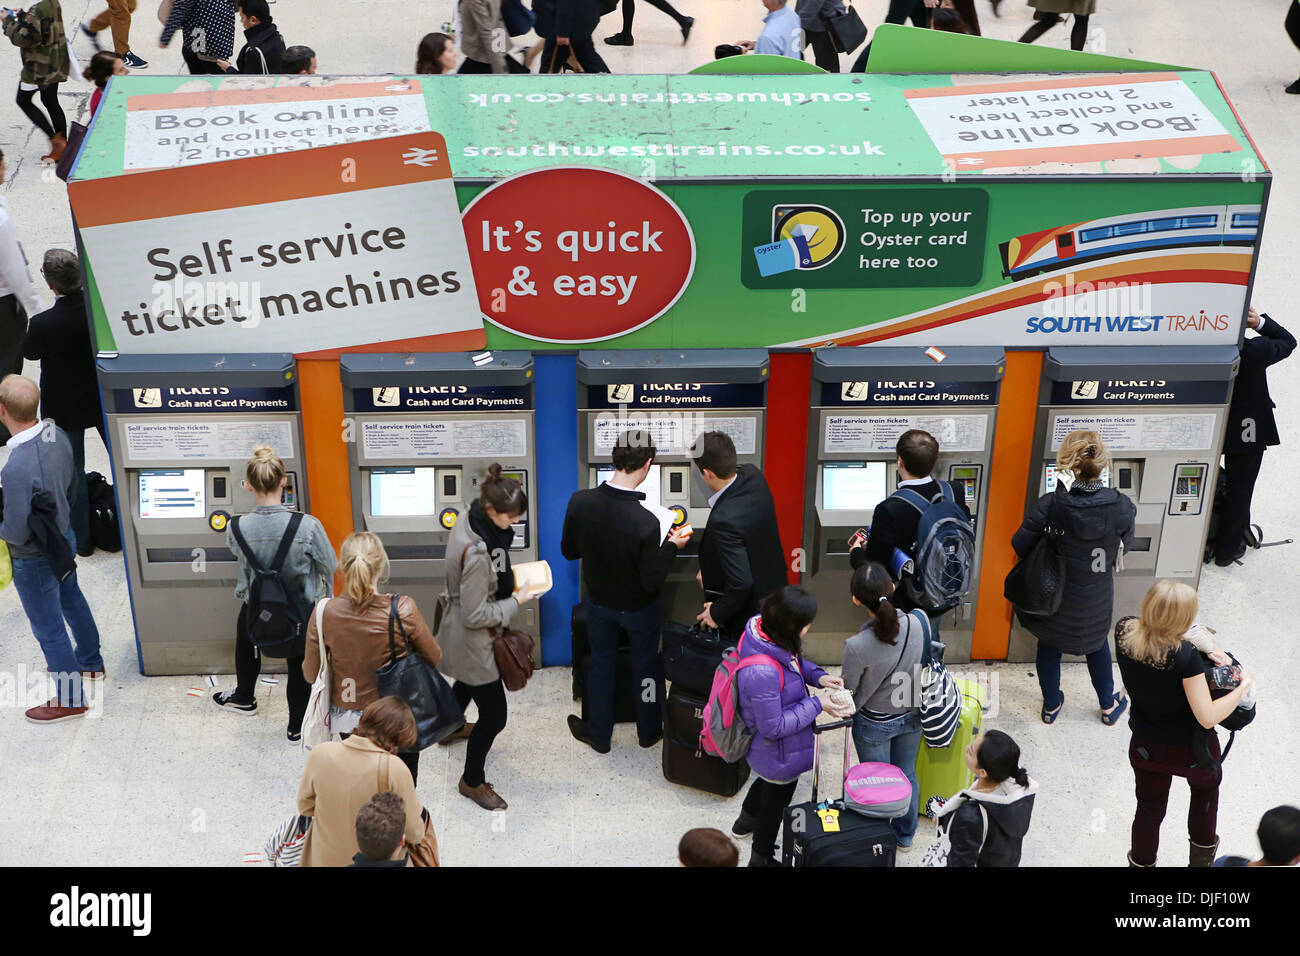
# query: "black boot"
[[1201, 855]]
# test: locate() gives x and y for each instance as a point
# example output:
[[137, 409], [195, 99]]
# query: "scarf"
[[498, 541]]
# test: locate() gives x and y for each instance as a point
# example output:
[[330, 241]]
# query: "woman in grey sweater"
[[481, 598], [882, 670], [308, 574]]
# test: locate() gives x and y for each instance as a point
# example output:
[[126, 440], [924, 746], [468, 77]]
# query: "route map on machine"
[[676, 433], [478, 438]]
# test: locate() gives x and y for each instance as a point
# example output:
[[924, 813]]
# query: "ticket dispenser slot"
[[179, 455], [1161, 412], [427, 429], [863, 399], [675, 396]]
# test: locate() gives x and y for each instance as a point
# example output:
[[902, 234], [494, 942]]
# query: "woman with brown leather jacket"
[[356, 635]]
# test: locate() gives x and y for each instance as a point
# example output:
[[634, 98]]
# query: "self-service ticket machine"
[[676, 395], [863, 400], [425, 429], [1161, 412], [181, 429]]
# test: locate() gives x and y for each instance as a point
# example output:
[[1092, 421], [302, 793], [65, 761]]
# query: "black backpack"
[[276, 618], [105, 532]]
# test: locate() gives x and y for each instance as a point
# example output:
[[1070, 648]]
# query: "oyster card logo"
[[569, 254], [803, 237]]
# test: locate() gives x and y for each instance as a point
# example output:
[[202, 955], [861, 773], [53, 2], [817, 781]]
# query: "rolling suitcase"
[[830, 834], [943, 772], [692, 654], [684, 762]]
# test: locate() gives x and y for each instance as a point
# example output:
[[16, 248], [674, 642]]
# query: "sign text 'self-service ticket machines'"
[[863, 400], [426, 428], [1161, 413], [182, 428], [676, 395]]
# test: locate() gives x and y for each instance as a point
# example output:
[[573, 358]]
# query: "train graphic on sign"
[[1065, 246]]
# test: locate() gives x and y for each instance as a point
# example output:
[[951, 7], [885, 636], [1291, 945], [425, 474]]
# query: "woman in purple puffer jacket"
[[780, 713]]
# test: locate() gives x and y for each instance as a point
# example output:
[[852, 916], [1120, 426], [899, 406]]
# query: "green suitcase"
[[943, 772]]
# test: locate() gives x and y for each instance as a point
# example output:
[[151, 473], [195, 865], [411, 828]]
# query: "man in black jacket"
[[1251, 429], [895, 520], [263, 47], [625, 559], [569, 23], [59, 338], [741, 556]]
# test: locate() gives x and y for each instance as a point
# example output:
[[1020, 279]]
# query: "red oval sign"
[[575, 254]]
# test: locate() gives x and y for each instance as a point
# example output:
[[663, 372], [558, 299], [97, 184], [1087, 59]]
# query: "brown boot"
[[58, 143], [483, 795], [462, 734], [1202, 855]]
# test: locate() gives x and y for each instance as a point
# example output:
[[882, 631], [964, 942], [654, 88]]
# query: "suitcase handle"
[[817, 730]]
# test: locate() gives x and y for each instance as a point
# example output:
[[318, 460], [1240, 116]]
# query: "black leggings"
[[1078, 33], [766, 803], [248, 665], [50, 100], [491, 700], [1293, 23], [629, 11]]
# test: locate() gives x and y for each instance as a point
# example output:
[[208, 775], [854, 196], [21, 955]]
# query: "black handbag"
[[691, 656], [76, 134], [847, 31], [1036, 585], [412, 678], [518, 19]]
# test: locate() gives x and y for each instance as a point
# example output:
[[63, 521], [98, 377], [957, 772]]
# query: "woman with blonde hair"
[[342, 776], [356, 636], [1091, 526], [1172, 709], [307, 571]]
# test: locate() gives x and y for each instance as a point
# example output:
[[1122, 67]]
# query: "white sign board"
[[440, 438], [190, 440], [1169, 431], [879, 433]]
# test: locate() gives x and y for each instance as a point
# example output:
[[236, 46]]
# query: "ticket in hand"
[[683, 530]]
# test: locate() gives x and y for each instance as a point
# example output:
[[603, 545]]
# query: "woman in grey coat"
[[480, 599], [1049, 13], [812, 14]]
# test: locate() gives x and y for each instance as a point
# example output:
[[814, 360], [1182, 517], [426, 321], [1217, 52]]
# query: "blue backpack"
[[944, 560]]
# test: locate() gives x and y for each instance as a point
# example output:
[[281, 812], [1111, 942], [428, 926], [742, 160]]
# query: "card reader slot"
[[186, 555], [415, 552]]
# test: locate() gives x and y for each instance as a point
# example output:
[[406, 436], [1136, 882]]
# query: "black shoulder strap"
[[243, 545], [286, 541]]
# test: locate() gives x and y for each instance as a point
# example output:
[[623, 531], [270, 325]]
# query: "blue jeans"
[[1049, 675], [643, 626], [48, 603], [894, 742]]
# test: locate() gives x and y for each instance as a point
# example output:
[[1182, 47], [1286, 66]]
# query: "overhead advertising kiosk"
[[1162, 418], [182, 428], [675, 396], [425, 430], [1098, 204], [863, 400]]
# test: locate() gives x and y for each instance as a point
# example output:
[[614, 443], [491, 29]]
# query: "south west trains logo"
[[816, 232]]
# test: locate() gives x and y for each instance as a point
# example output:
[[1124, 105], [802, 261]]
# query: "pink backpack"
[[878, 790], [724, 733]]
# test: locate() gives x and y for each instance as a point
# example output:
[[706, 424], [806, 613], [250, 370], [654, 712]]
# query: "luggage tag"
[[830, 818]]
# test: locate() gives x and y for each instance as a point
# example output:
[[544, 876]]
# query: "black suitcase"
[[691, 656], [683, 760], [859, 841], [625, 689]]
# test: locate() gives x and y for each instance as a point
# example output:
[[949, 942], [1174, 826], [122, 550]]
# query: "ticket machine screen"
[[401, 491], [853, 485], [650, 486], [172, 493]]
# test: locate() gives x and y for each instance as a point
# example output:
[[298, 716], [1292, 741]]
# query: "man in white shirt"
[[782, 32], [18, 297]]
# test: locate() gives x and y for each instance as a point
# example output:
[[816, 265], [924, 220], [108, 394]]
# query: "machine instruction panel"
[[879, 433], [164, 441], [1157, 432], [430, 438], [676, 433]]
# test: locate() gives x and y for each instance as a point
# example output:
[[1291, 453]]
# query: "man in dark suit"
[[895, 520], [59, 338], [569, 23], [1251, 429], [741, 557]]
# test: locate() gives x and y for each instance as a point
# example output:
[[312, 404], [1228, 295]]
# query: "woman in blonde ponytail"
[[307, 575], [356, 637]]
